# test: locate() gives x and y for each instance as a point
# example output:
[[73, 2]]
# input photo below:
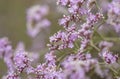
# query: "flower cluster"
[[36, 19], [6, 52], [106, 54], [12, 75], [5, 47], [47, 70], [109, 57], [21, 60], [62, 40], [114, 14], [74, 52]]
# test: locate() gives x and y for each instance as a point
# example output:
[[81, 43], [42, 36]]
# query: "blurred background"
[[13, 22], [13, 18]]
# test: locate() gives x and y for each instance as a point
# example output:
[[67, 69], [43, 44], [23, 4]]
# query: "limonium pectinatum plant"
[[78, 51]]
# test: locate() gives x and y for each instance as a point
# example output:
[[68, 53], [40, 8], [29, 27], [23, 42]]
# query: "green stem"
[[108, 38], [112, 39], [99, 35], [95, 47], [61, 57], [76, 45], [114, 71], [101, 63], [97, 5]]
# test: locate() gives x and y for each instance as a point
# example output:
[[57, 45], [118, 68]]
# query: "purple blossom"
[[50, 58], [63, 2], [37, 12], [109, 57], [6, 52], [114, 15], [77, 68], [36, 19], [73, 9], [76, 1], [21, 61], [114, 7], [11, 75], [66, 39], [94, 18], [5, 47], [44, 71], [65, 21], [74, 62], [105, 45]]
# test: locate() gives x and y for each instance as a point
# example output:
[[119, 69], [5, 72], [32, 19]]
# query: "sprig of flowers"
[[82, 57]]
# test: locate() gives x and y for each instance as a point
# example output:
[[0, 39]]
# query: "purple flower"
[[5, 47], [109, 57], [76, 1], [65, 21], [50, 58], [65, 39], [63, 2], [6, 52], [77, 68], [37, 12], [73, 9], [44, 71], [114, 15], [21, 61], [115, 7], [79, 27], [105, 44], [36, 20], [11, 75], [92, 19]]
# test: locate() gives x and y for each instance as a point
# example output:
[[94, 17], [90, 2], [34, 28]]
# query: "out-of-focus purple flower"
[[76, 1], [104, 5], [118, 77], [63, 2], [20, 46], [77, 68], [115, 7], [37, 12], [36, 19], [105, 45], [6, 52], [114, 15], [5, 47]]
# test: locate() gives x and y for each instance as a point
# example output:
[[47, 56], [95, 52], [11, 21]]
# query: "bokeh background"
[[13, 18], [13, 22]]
